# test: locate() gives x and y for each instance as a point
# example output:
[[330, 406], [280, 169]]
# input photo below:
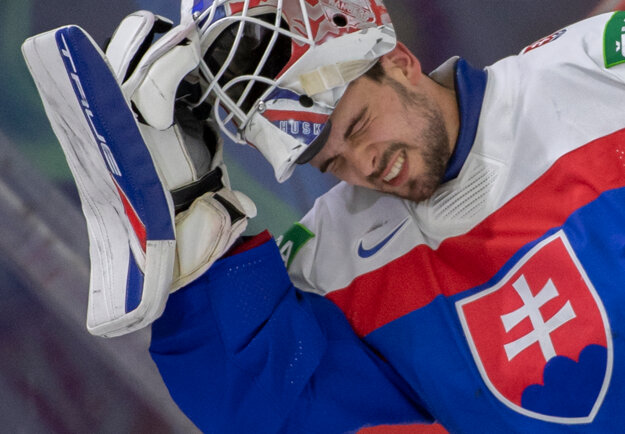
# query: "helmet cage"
[[308, 47]]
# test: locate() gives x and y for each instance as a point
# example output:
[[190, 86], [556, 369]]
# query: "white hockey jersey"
[[516, 266]]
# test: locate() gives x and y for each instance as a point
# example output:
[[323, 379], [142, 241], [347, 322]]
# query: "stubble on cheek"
[[432, 148], [428, 152]]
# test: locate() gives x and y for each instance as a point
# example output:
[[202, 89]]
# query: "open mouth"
[[398, 164]]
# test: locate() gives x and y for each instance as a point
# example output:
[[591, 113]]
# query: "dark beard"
[[435, 151], [435, 154]]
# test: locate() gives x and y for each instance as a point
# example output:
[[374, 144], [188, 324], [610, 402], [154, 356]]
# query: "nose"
[[363, 158]]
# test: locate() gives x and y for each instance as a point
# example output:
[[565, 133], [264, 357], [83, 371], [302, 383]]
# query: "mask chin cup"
[[279, 148]]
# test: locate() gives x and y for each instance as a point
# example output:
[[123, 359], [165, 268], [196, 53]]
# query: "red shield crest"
[[537, 330]]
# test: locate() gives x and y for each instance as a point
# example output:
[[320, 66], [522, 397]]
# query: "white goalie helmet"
[[277, 68]]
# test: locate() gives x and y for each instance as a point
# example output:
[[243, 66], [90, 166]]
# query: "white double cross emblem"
[[531, 309]]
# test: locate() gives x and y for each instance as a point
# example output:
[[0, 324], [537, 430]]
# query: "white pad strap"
[[329, 77], [153, 85], [129, 37]]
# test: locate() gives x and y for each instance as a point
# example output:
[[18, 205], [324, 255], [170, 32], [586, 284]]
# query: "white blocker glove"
[[186, 148], [206, 230], [153, 187]]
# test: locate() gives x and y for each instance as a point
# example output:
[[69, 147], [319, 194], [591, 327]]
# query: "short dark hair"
[[376, 72]]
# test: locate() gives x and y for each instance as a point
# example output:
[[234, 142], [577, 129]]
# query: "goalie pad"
[[129, 213]]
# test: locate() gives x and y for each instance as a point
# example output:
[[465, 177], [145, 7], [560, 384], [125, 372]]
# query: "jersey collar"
[[470, 85]]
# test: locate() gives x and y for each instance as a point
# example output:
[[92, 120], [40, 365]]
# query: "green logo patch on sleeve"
[[292, 241], [614, 40]]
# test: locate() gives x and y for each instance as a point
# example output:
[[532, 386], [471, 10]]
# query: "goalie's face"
[[394, 134]]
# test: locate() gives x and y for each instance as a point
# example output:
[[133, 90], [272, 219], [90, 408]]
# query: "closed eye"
[[356, 121], [353, 128]]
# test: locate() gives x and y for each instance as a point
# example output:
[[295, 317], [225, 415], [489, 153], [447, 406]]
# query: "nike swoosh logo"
[[367, 253]]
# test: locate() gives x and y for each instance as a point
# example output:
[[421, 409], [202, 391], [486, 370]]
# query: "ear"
[[402, 58]]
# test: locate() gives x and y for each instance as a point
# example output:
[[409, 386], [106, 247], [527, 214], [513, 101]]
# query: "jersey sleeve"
[[242, 350]]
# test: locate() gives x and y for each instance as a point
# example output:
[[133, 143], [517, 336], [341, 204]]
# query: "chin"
[[418, 192]]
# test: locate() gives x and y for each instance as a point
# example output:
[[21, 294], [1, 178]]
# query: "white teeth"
[[399, 163]]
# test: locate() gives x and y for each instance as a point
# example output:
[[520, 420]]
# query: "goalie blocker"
[[124, 186], [130, 220]]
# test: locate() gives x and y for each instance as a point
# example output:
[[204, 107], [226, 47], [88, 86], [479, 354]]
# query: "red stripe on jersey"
[[136, 223], [286, 115], [466, 261]]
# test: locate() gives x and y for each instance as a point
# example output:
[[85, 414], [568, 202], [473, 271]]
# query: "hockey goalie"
[[421, 284]]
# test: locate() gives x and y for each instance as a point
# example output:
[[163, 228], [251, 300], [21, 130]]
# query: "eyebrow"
[[348, 132]]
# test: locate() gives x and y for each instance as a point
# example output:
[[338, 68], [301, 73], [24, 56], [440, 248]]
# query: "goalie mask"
[[277, 68]]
